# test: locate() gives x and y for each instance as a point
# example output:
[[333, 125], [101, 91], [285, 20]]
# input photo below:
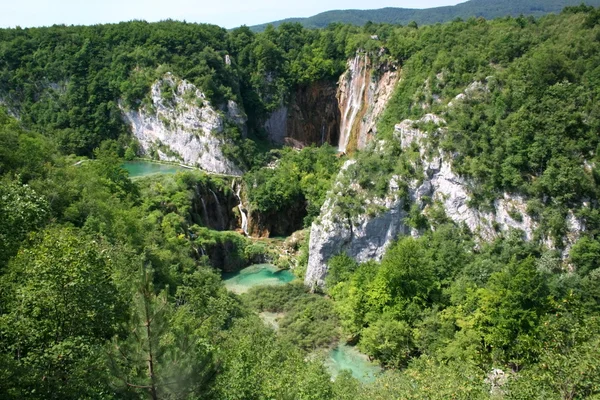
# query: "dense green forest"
[[108, 285], [488, 9]]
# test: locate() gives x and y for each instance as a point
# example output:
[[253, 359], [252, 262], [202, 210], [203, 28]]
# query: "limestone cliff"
[[181, 125], [311, 117], [344, 115], [367, 235], [282, 223], [363, 92]]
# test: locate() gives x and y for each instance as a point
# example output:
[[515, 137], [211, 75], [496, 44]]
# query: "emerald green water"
[[143, 168], [345, 357], [256, 275]]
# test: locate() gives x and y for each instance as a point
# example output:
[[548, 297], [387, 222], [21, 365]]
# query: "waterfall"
[[353, 102], [205, 211], [240, 206], [218, 210], [205, 215]]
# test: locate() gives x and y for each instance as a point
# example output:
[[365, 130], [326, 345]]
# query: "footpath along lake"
[[138, 169]]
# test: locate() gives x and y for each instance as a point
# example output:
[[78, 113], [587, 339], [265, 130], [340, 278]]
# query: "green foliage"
[[509, 311], [389, 341], [585, 255], [22, 210], [159, 356], [59, 306], [256, 365], [340, 269], [300, 180], [309, 320]]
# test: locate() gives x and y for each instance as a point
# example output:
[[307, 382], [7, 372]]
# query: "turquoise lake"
[[138, 169], [345, 357], [256, 275]]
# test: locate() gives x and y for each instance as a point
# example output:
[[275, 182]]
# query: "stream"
[[342, 357]]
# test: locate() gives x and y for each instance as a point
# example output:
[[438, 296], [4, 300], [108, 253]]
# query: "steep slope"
[[362, 224], [344, 115], [488, 9], [180, 125], [363, 92], [312, 116]]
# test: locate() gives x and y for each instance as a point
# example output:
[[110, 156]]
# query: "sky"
[[226, 13]]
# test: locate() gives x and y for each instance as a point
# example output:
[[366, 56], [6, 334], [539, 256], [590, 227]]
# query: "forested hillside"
[[111, 286], [488, 9]]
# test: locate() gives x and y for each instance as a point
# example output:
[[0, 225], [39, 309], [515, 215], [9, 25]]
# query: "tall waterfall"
[[353, 101], [237, 189], [205, 211]]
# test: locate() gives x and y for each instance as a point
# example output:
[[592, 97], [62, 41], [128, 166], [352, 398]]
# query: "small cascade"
[[353, 101], [219, 211], [205, 211], [237, 190]]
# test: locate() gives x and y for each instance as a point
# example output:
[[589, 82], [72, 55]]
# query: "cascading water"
[[237, 190], [219, 211], [205, 211], [353, 102]]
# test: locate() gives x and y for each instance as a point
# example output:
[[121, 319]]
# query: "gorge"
[[252, 213]]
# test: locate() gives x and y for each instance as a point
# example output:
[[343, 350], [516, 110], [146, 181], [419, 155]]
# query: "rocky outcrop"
[[181, 125], [311, 117], [344, 115], [366, 236], [363, 238], [214, 207], [363, 92], [280, 223]]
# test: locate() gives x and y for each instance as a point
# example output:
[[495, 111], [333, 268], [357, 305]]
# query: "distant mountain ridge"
[[488, 9]]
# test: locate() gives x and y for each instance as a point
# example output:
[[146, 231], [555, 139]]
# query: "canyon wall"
[[367, 236], [363, 92], [343, 114], [180, 125], [311, 117]]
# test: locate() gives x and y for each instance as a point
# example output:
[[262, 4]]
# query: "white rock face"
[[362, 98], [363, 239], [186, 128], [367, 237]]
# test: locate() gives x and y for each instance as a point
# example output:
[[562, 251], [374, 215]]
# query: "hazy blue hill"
[[479, 8]]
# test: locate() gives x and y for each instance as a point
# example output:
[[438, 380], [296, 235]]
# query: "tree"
[[389, 341], [510, 308], [405, 279], [59, 306], [21, 211], [154, 355]]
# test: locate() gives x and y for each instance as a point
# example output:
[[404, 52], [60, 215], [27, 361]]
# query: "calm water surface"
[[144, 168], [256, 275], [345, 357]]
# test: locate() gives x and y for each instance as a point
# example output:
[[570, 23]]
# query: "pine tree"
[[159, 357]]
